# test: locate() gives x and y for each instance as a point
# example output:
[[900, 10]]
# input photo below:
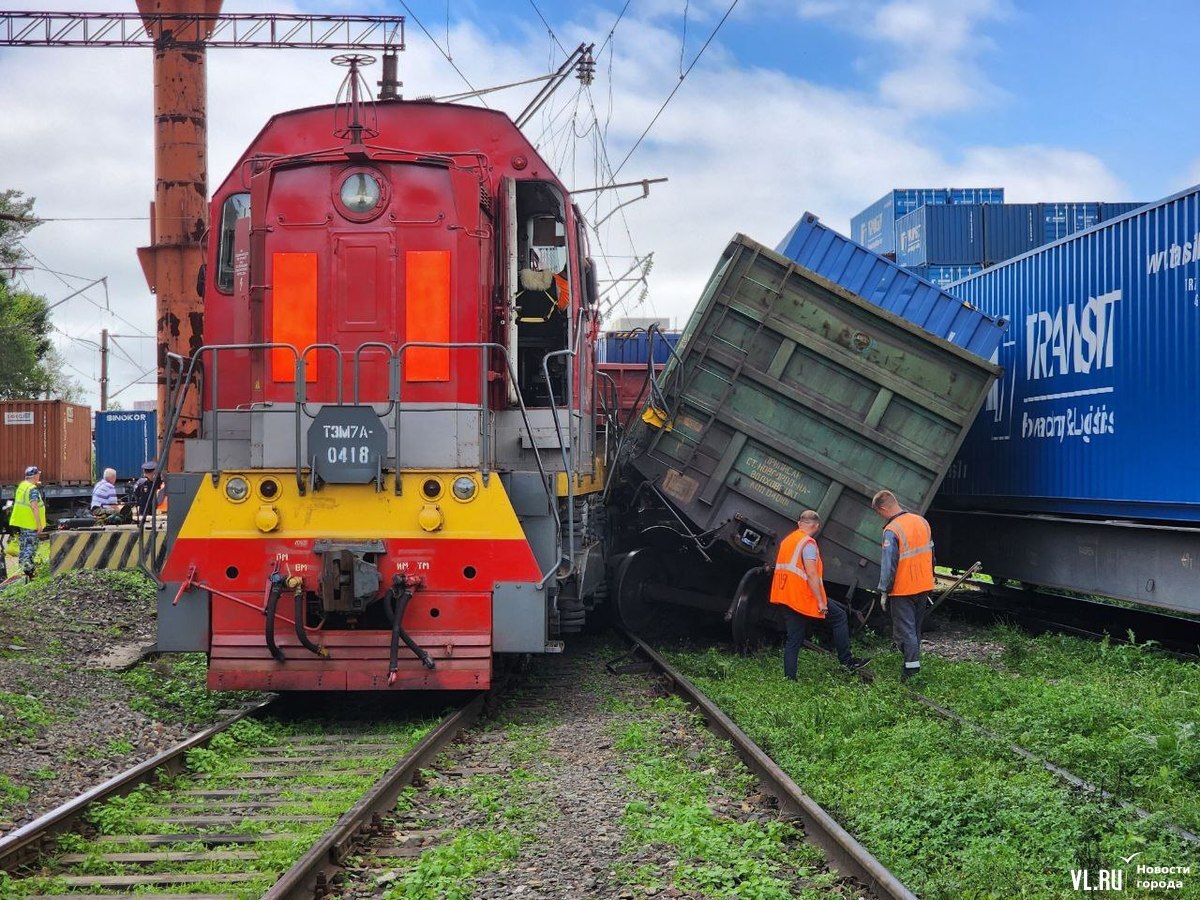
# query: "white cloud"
[[745, 149]]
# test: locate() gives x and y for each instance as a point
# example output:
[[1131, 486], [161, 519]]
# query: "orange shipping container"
[[53, 435]]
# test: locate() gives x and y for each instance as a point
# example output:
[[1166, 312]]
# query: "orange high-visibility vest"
[[789, 586], [564, 291], [914, 568]]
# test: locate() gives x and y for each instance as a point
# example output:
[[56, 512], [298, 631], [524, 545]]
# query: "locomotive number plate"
[[346, 444]]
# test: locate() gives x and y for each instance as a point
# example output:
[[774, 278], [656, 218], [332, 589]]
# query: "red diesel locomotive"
[[395, 474]]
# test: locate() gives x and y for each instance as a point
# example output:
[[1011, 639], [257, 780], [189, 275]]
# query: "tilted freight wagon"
[[790, 392]]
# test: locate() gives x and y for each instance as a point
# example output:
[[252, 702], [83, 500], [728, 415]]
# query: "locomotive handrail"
[[176, 392], [393, 374], [485, 439], [567, 449], [301, 382], [297, 369]]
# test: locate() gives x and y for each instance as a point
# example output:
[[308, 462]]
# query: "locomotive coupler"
[[296, 583], [273, 593], [398, 596]]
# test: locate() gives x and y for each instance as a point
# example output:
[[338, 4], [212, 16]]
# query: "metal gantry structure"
[[180, 32], [245, 30]]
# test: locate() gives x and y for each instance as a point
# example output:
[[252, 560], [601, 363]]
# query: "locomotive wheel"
[[749, 630], [634, 573]]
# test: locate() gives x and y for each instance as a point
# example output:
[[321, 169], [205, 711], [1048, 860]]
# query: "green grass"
[[21, 714], [1122, 716], [174, 689], [509, 811], [680, 789], [953, 814]]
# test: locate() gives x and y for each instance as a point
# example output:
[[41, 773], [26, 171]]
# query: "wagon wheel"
[[634, 574], [749, 630]]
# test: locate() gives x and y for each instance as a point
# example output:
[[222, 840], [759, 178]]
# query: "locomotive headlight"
[[237, 489], [361, 192], [464, 488]]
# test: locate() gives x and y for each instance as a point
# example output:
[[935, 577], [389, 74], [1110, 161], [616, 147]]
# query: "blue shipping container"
[[1112, 210], [1064, 219], [940, 235], [124, 440], [634, 346], [976, 195], [945, 275], [1010, 229], [886, 284], [1095, 414], [875, 226]]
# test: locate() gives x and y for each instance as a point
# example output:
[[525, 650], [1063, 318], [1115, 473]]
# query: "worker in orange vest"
[[798, 588], [905, 575]]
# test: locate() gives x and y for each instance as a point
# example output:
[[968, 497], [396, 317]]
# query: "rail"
[[22, 845], [312, 873], [845, 853]]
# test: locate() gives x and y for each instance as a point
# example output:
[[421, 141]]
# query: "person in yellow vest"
[[29, 515], [797, 586], [905, 575]]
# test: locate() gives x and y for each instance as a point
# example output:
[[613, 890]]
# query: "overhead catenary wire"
[[675, 89], [444, 53]]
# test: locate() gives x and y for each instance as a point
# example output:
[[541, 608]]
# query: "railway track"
[[275, 822], [1041, 611], [553, 757], [544, 779]]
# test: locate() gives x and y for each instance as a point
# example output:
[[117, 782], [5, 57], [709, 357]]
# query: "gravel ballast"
[[70, 718]]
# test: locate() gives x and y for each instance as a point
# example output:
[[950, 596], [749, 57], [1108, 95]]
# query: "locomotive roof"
[[423, 126]]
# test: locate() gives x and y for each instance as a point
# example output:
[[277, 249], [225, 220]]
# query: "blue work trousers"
[[29, 544], [797, 630]]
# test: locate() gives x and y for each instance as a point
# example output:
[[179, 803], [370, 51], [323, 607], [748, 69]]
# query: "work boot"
[[854, 663], [907, 673]]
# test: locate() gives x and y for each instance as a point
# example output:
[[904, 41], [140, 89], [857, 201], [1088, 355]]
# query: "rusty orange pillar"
[[179, 215]]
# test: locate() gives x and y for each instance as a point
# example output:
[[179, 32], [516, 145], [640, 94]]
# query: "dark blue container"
[[875, 226], [1095, 414], [976, 195], [1064, 219], [945, 275], [634, 346], [1010, 229], [124, 440], [1112, 210], [941, 235], [886, 284]]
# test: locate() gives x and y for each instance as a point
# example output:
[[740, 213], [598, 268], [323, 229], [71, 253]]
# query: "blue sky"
[[818, 105]]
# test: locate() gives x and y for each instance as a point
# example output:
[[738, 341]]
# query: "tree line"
[[30, 365]]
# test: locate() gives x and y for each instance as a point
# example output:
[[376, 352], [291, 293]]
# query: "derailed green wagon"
[[788, 392]]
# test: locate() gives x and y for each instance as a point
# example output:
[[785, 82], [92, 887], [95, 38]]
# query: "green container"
[[792, 393]]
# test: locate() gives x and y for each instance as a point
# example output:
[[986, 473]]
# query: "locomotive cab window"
[[235, 207], [542, 300]]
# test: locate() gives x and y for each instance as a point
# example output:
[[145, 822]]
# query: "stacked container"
[[53, 435], [875, 227], [941, 235], [635, 346], [1010, 229], [1061, 220], [124, 440]]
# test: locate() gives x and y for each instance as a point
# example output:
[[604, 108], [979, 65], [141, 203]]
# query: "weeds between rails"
[[953, 813]]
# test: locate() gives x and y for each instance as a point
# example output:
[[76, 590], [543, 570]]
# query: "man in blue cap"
[[29, 516], [149, 490]]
